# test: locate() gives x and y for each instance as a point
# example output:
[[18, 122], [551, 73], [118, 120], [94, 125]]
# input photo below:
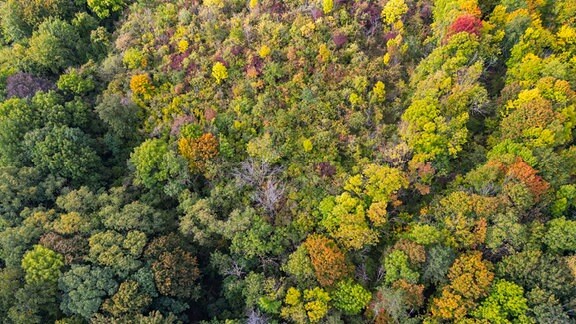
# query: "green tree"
[[397, 267], [63, 151], [85, 288], [350, 297], [561, 235], [20, 17], [10, 282], [150, 163], [77, 81], [531, 269], [134, 216], [35, 304], [104, 8], [42, 265], [17, 117], [54, 46], [117, 252], [120, 114], [438, 260], [24, 187], [504, 304]]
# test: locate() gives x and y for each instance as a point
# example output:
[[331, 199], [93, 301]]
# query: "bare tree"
[[262, 178], [255, 317], [270, 195], [254, 174]]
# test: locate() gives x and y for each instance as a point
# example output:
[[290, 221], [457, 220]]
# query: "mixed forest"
[[299, 161]]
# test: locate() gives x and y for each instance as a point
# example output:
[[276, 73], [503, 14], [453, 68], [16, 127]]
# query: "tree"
[[175, 273], [42, 265], [63, 151], [531, 269], [73, 249], [506, 303], [561, 235], [310, 306], [117, 252], [219, 72], [397, 267], [344, 218], [450, 306], [393, 11], [84, 289], [350, 297], [104, 8], [470, 276], [54, 46], [77, 81], [17, 117], [198, 150], [10, 282], [15, 241], [22, 17], [435, 122], [299, 265], [134, 216], [438, 261], [35, 304], [466, 23], [24, 187], [545, 307], [120, 114], [367, 195], [128, 300], [25, 85], [149, 161], [328, 261]]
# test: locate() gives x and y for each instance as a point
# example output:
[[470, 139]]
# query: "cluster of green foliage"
[[265, 161]]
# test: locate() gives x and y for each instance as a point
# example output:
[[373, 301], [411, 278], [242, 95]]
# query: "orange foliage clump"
[[536, 113], [198, 150], [449, 306], [141, 84], [527, 175], [413, 293], [415, 252], [470, 278], [328, 261]]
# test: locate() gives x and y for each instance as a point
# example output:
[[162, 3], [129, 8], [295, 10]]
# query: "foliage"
[[350, 297], [560, 235], [198, 150], [25, 85], [466, 23], [328, 261], [85, 288], [397, 267], [175, 273], [104, 8], [311, 305], [287, 161], [63, 151], [219, 72], [149, 161], [42, 265], [505, 303]]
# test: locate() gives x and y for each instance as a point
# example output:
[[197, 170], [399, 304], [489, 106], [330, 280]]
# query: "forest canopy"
[[266, 161]]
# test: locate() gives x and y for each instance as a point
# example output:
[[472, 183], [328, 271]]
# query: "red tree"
[[466, 23]]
